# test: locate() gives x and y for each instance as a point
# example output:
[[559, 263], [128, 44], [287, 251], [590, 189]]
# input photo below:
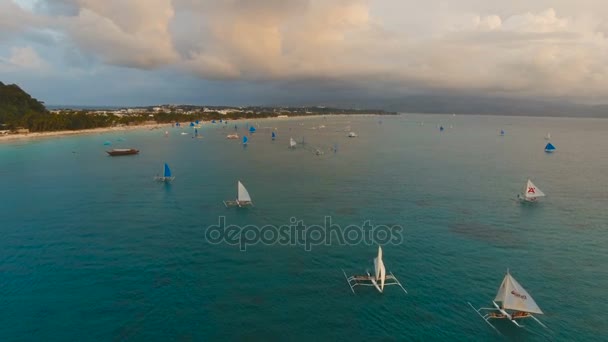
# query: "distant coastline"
[[8, 138]]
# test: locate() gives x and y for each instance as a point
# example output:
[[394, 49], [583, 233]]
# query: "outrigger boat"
[[167, 177], [515, 304], [530, 193], [378, 280], [243, 199]]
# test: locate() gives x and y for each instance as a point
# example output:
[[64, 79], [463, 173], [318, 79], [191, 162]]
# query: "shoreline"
[[58, 134]]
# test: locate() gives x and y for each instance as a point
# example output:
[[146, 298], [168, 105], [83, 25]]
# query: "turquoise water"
[[92, 248]]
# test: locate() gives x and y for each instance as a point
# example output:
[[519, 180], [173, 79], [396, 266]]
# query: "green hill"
[[18, 108]]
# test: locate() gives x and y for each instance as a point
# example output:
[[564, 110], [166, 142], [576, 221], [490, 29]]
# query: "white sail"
[[292, 143], [243, 195], [380, 269], [514, 297], [531, 191], [548, 136]]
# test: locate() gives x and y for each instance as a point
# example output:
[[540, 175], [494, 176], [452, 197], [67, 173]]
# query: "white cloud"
[[549, 48], [22, 59]]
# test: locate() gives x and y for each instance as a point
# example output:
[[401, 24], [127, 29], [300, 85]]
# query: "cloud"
[[22, 59], [133, 33], [13, 19], [390, 46]]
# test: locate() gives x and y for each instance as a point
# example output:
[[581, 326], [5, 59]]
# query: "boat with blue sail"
[[549, 148], [274, 135], [245, 140], [167, 176]]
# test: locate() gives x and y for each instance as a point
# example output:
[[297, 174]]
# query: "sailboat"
[[167, 177], [273, 136], [378, 280], [515, 303], [245, 140], [548, 136], [292, 143], [243, 199], [549, 148], [502, 132], [252, 129], [530, 192], [352, 135]]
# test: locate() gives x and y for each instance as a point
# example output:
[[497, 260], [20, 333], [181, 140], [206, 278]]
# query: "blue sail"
[[245, 140], [167, 171], [251, 129], [196, 122], [549, 147], [192, 124], [273, 135], [502, 132], [212, 121], [441, 129]]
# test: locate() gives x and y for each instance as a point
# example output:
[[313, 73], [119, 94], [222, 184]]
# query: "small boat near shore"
[[122, 152]]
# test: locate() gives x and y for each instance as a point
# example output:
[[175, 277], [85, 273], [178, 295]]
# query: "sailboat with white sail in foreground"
[[512, 302], [242, 199], [530, 193], [379, 279]]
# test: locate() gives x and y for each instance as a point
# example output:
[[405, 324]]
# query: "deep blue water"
[[91, 248]]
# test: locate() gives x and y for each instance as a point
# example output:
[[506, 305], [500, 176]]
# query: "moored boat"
[[122, 151]]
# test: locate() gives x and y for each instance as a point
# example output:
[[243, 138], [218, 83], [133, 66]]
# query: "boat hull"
[[527, 200], [125, 152]]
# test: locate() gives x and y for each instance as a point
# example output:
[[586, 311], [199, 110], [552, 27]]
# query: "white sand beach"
[[57, 134]]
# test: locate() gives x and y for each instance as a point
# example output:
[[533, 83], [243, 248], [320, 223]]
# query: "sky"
[[303, 52]]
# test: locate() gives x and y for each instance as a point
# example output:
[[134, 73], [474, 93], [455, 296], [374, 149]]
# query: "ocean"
[[93, 249]]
